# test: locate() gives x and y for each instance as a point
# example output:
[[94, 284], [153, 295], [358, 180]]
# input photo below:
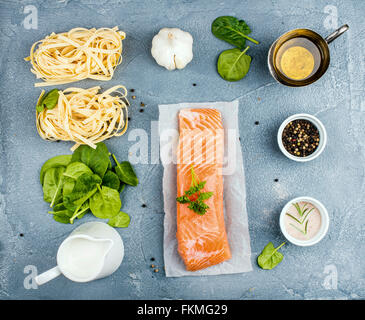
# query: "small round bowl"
[[322, 136], [324, 222]]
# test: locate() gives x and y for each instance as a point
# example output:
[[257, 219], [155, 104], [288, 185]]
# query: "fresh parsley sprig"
[[194, 192]]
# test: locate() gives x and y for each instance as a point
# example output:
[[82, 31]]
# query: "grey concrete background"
[[29, 236]]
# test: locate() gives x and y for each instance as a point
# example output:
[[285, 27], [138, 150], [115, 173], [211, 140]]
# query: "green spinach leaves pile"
[[233, 64], [87, 181]]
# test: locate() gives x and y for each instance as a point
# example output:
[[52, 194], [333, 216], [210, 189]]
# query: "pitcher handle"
[[337, 33], [47, 276]]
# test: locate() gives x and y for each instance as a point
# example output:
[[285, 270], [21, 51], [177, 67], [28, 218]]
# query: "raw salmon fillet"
[[202, 239]]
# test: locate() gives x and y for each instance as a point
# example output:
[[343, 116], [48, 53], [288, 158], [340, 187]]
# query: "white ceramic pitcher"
[[93, 250]]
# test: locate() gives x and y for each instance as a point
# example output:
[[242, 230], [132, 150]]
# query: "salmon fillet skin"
[[202, 239]]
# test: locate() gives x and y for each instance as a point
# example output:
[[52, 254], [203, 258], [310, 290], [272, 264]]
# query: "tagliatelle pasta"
[[85, 116], [76, 55]]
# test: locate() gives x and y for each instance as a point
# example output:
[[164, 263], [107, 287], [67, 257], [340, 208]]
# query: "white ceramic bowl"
[[322, 136], [324, 222]]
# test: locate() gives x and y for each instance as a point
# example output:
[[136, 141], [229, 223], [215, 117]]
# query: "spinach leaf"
[[232, 30], [85, 187], [68, 185], [49, 100], [76, 169], [52, 185], [105, 203], [58, 161], [62, 216], [59, 207], [85, 208], [73, 171], [61, 213], [125, 172], [121, 220], [270, 257], [96, 159], [233, 64], [122, 187], [111, 180], [80, 211]]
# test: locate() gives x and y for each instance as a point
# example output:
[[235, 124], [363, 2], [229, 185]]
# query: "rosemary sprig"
[[300, 230], [301, 211], [306, 227], [308, 214], [288, 214], [297, 206], [198, 205]]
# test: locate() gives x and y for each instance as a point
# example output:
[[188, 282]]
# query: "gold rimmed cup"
[[312, 42]]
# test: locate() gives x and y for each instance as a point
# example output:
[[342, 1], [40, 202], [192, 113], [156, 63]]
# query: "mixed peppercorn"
[[300, 138]]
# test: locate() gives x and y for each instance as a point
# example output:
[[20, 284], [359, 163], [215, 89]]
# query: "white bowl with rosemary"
[[302, 137], [304, 221]]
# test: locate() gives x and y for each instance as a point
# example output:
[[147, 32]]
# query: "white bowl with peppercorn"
[[302, 137]]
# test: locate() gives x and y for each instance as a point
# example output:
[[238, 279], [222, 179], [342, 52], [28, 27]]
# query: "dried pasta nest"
[[85, 116], [76, 55]]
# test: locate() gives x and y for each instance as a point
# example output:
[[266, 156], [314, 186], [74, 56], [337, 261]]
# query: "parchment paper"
[[234, 192]]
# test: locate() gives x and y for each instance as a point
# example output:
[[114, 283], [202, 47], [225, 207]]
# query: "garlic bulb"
[[172, 48]]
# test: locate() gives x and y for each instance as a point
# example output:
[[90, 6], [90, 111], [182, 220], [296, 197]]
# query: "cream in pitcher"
[[94, 250]]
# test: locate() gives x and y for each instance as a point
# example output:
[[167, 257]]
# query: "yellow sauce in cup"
[[298, 58], [297, 63]]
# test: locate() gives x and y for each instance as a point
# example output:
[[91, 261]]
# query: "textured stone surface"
[[336, 178]]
